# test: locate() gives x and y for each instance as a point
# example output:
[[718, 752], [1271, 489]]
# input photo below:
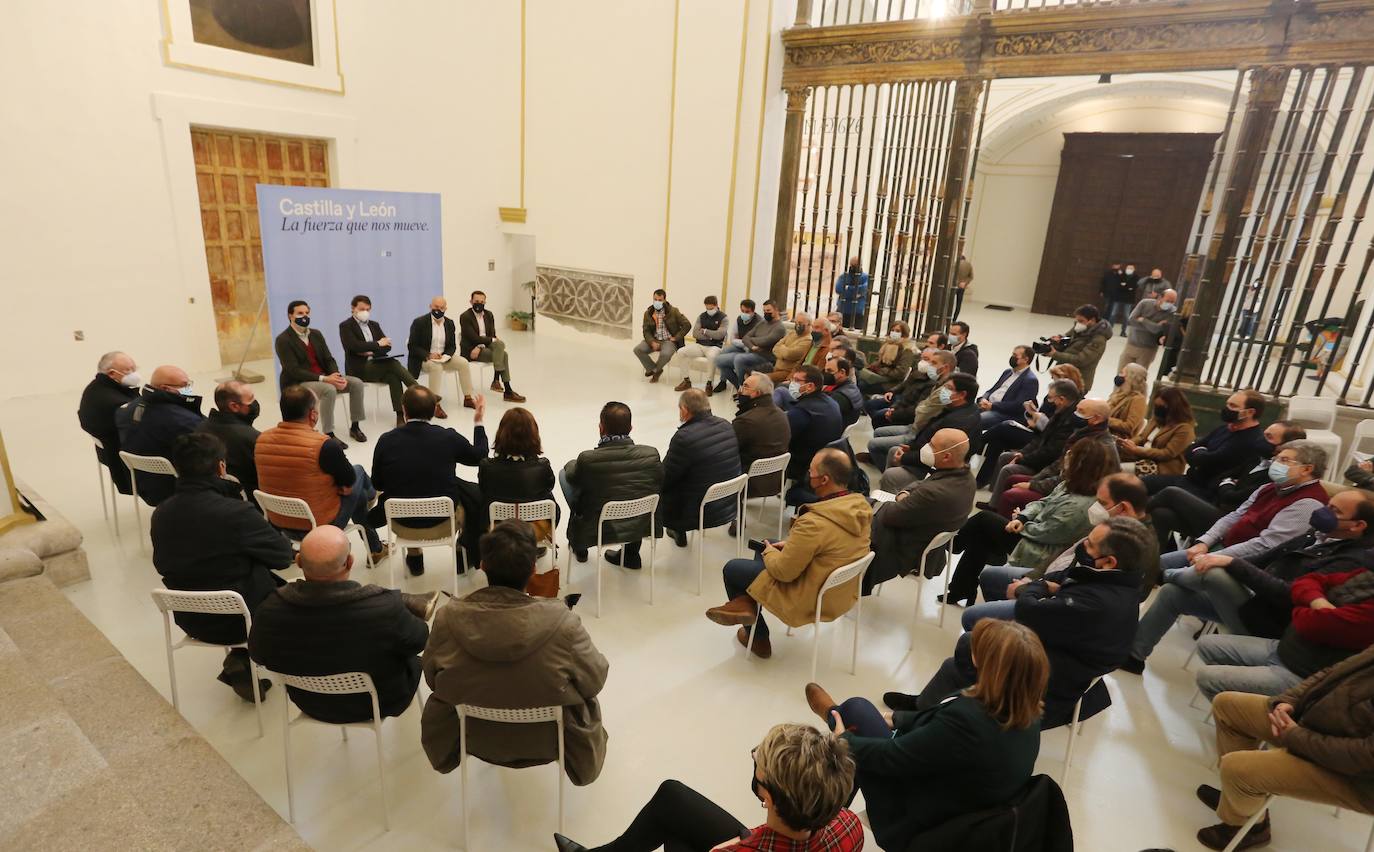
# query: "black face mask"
[[1013, 362], [830, 379], [437, 314], [1082, 557], [478, 307], [254, 409], [1048, 407], [303, 322], [1161, 413], [1119, 381], [1229, 415], [815, 337], [754, 783], [767, 317]]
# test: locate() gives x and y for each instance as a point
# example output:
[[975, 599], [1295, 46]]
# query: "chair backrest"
[[1317, 412], [99, 445], [843, 575], [290, 507], [514, 715], [345, 683], [400, 508], [774, 464], [206, 603], [148, 464], [538, 510], [725, 489], [615, 510], [936, 543], [1364, 431]]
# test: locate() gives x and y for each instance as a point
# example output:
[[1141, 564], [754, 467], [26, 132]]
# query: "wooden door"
[[1121, 196], [229, 165]]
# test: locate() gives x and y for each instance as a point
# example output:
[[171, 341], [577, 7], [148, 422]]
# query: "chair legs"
[[1208, 628], [381, 771], [171, 665], [100, 479], [286, 747], [1249, 823], [138, 512], [257, 692]]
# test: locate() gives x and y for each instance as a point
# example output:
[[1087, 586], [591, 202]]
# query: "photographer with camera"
[[1083, 345]]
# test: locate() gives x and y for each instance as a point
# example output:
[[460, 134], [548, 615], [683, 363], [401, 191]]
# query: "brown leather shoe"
[[710, 389], [741, 610], [379, 555], [685, 384], [653, 379], [496, 384], [469, 402], [439, 412], [421, 606], [819, 701], [763, 649], [864, 458], [1219, 835], [512, 396]]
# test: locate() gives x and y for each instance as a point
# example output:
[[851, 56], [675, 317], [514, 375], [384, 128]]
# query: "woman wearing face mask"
[[802, 778], [1083, 344], [895, 359], [1163, 439], [1127, 401]]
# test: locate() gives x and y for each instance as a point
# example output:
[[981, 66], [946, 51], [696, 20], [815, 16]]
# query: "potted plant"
[[519, 320]]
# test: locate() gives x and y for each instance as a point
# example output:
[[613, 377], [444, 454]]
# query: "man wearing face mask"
[[1118, 289], [479, 342], [1084, 621], [1236, 445], [367, 355], [231, 420], [965, 353], [1274, 514], [813, 419], [752, 350], [1044, 446], [1148, 327], [908, 462], [305, 360], [166, 408], [665, 331], [799, 346], [116, 383], [839, 386], [1007, 397], [709, 333], [1091, 419], [900, 424], [1087, 340], [745, 322], [431, 349], [904, 527], [761, 430], [1155, 285], [851, 290]]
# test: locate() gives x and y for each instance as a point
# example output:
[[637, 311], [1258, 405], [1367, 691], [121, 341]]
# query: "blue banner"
[[326, 246]]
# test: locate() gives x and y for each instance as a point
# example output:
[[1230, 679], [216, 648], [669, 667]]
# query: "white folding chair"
[[536, 510], [1075, 726], [763, 467], [838, 577], [295, 507], [1255, 817], [849, 430], [729, 488], [1315, 412], [206, 603], [617, 510], [102, 473], [1364, 431], [517, 716], [346, 683], [398, 509], [944, 541], [148, 464]]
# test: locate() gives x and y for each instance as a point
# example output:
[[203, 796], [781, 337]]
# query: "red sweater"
[[1350, 627]]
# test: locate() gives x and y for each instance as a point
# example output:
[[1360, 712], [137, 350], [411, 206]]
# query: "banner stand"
[[251, 377]]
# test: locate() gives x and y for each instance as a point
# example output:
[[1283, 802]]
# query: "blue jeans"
[[733, 364], [1118, 309], [994, 580], [998, 610], [884, 439], [738, 575], [874, 408], [1214, 596], [1242, 664], [988, 419], [863, 719], [353, 507]]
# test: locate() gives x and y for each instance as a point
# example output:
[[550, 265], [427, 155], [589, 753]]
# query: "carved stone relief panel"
[[598, 302]]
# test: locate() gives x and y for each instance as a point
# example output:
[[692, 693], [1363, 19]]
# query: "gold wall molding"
[[758, 147], [734, 155], [672, 126]]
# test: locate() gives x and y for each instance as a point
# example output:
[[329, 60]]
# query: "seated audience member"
[[752, 350], [839, 386], [1275, 513], [328, 624], [165, 409], [1119, 495], [964, 352], [1007, 398], [1090, 416], [937, 340], [702, 453], [971, 753], [901, 401], [956, 396], [1178, 510], [1320, 731], [432, 348], [499, 647], [1127, 401], [1359, 474], [761, 431], [517, 471], [1161, 442], [294, 460], [905, 526], [1238, 443], [796, 347], [1085, 624], [813, 419], [905, 422], [205, 539], [1038, 532], [744, 322], [116, 382], [1070, 373], [802, 777], [418, 461], [709, 333], [1333, 619], [231, 420], [665, 332], [617, 469], [1044, 445], [785, 578], [305, 360], [368, 355], [477, 328], [892, 363], [1083, 344]]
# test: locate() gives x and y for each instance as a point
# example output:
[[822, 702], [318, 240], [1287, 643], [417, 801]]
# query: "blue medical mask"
[[946, 396], [794, 389], [711, 312], [745, 319], [1168, 307], [1324, 520], [1278, 472], [658, 305], [929, 369], [189, 390]]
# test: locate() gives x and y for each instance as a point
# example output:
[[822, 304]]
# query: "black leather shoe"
[[614, 557], [1209, 796], [679, 537], [580, 553], [954, 601], [900, 701], [341, 443], [357, 434], [415, 564], [566, 845], [1133, 666]]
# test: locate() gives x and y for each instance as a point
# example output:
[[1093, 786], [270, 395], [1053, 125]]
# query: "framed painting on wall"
[[288, 42]]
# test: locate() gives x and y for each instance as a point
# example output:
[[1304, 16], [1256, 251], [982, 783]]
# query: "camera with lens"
[[1045, 345]]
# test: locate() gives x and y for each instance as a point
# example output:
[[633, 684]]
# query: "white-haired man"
[[1147, 328]]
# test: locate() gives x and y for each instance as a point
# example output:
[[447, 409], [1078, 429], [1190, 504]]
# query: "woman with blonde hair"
[[802, 777], [975, 750], [1127, 401], [1070, 372], [894, 360]]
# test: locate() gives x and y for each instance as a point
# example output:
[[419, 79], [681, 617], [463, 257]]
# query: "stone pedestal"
[[51, 547]]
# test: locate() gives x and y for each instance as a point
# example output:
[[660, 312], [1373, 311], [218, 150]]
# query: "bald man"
[[116, 383], [905, 526], [431, 347], [1147, 328], [166, 408], [1091, 417], [231, 420], [328, 624]]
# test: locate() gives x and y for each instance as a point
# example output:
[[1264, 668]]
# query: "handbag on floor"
[[543, 584]]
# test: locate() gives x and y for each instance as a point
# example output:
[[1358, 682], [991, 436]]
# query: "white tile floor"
[[682, 702]]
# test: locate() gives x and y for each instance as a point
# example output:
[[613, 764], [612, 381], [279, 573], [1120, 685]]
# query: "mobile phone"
[[755, 544]]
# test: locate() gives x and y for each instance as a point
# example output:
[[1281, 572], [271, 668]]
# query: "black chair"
[[1037, 820]]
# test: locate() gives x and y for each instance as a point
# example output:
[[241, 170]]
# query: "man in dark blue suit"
[[166, 408], [418, 459], [1007, 398]]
